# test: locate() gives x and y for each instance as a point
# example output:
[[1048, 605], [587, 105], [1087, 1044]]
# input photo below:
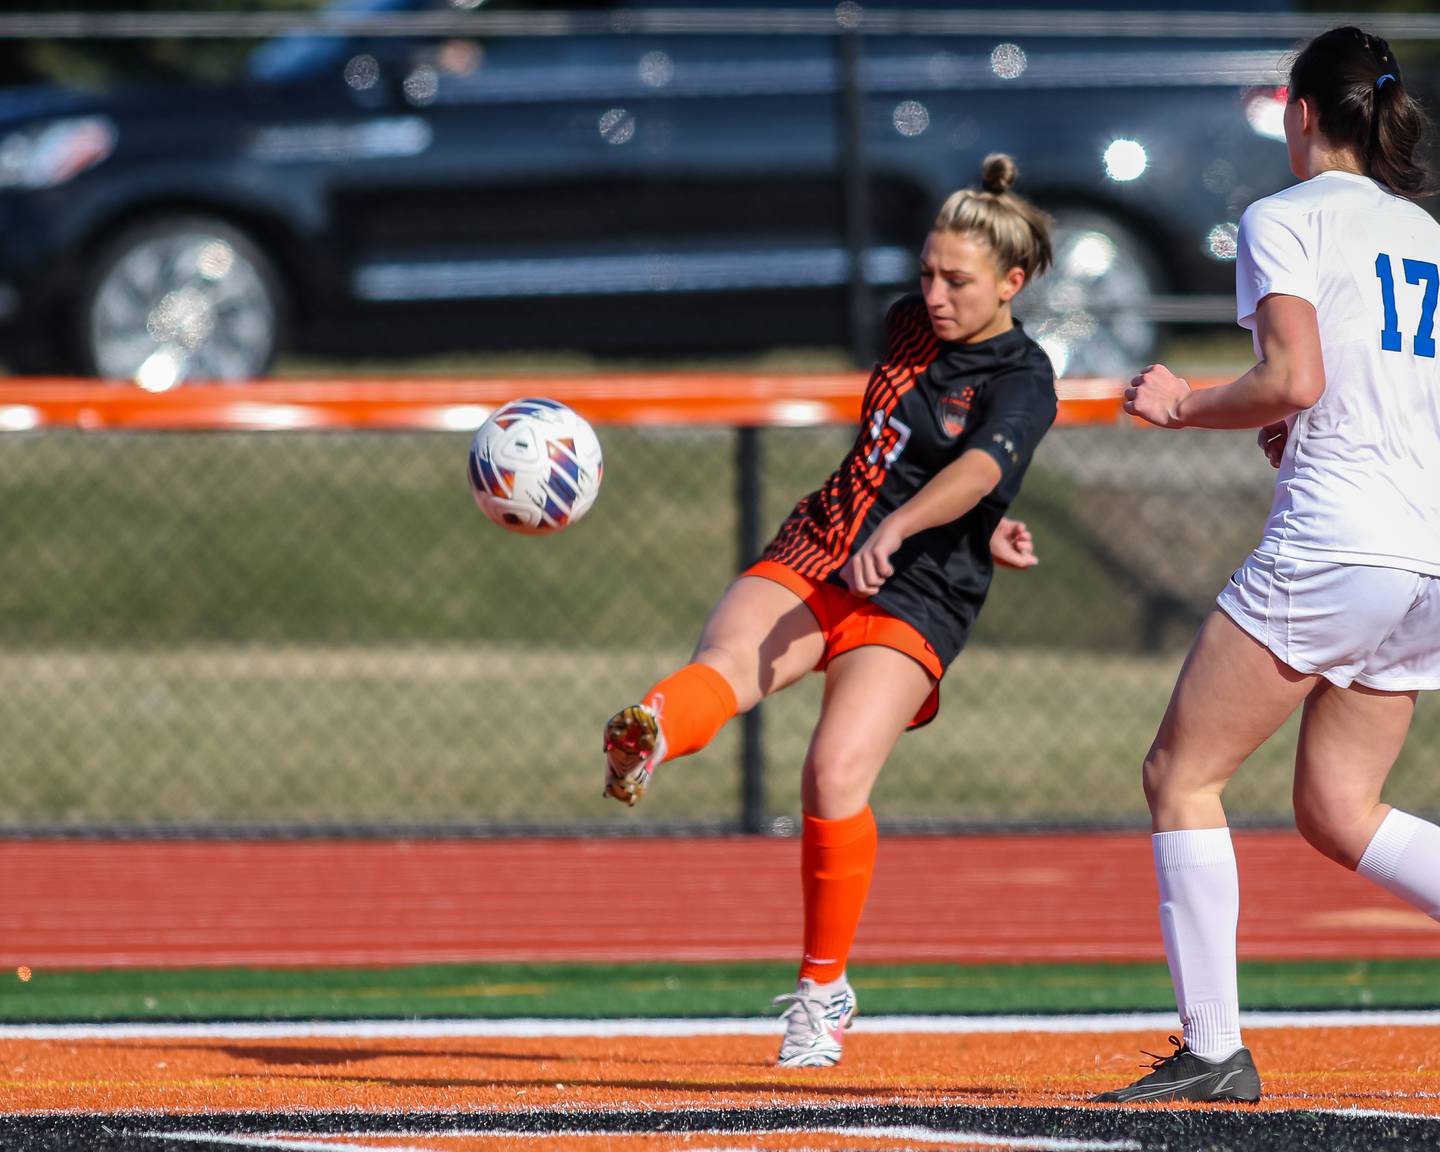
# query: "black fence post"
[[855, 186], [752, 748]]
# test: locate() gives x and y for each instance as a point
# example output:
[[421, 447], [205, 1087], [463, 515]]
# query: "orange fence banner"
[[438, 404]]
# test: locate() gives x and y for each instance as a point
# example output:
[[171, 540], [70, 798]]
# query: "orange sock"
[[693, 705], [837, 858]]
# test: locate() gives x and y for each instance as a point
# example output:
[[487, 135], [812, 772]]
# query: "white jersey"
[[1360, 479]]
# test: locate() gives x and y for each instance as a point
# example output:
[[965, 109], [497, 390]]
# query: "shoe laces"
[[1158, 1061], [810, 1013], [804, 1013]]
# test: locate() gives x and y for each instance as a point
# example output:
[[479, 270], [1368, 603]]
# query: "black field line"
[[1145, 1129]]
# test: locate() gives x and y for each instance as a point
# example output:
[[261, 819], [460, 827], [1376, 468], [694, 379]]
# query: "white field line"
[[289, 1144], [914, 1134], [1383, 1113], [540, 1029]]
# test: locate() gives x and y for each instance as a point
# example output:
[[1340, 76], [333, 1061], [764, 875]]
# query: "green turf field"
[[664, 990]]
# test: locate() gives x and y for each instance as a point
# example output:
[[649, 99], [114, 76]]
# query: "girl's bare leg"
[[759, 639]]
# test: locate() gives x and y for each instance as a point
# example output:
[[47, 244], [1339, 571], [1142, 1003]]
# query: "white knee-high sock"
[[1404, 858], [1199, 912]]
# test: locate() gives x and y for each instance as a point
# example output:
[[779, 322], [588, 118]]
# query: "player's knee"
[[738, 668], [837, 777], [1181, 792], [1157, 780], [1333, 827]]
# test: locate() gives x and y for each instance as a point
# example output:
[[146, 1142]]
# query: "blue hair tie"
[[1380, 83]]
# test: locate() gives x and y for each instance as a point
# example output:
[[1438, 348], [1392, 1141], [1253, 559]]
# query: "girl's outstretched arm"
[[1289, 377]]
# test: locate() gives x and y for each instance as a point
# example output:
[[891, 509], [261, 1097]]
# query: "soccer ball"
[[535, 466]]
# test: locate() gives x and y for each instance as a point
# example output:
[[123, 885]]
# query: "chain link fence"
[[251, 632]]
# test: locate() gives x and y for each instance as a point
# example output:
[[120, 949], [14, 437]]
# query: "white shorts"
[[1350, 623]]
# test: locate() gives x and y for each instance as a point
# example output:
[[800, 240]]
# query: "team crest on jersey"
[[955, 410]]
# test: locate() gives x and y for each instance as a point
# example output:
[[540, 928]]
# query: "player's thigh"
[[761, 637], [1349, 740], [1231, 696], [871, 694]]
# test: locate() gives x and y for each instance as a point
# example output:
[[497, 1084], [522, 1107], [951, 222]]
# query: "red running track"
[[985, 898]]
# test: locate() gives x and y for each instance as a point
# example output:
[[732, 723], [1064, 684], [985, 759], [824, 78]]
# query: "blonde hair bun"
[[998, 172], [1018, 232]]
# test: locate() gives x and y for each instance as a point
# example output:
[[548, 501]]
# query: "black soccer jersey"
[[927, 402]]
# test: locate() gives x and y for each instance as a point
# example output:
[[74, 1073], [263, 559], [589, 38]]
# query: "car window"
[[294, 57], [288, 58], [291, 57]]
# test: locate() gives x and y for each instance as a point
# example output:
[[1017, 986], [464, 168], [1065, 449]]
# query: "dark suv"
[[636, 186]]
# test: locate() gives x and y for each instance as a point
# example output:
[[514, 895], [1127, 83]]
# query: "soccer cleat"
[[1185, 1076], [815, 1024], [634, 747]]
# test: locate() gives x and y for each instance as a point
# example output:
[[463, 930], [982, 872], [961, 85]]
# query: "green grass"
[[348, 539], [299, 629], [396, 736], [1207, 350], [660, 990], [146, 541]]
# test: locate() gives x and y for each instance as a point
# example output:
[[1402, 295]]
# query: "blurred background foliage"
[[95, 63]]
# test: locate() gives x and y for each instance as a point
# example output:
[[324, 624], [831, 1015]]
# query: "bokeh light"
[[1008, 61], [1125, 160], [910, 118], [1223, 241]]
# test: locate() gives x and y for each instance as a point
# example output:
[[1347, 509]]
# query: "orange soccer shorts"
[[848, 622]]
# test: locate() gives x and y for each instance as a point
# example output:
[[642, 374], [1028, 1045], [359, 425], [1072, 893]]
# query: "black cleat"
[[1185, 1076]]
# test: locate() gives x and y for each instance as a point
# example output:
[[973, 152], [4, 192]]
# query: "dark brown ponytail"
[[1354, 83]]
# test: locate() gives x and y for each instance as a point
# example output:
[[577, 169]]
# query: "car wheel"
[[1092, 311], [181, 298]]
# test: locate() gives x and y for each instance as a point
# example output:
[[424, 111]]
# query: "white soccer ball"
[[535, 466]]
